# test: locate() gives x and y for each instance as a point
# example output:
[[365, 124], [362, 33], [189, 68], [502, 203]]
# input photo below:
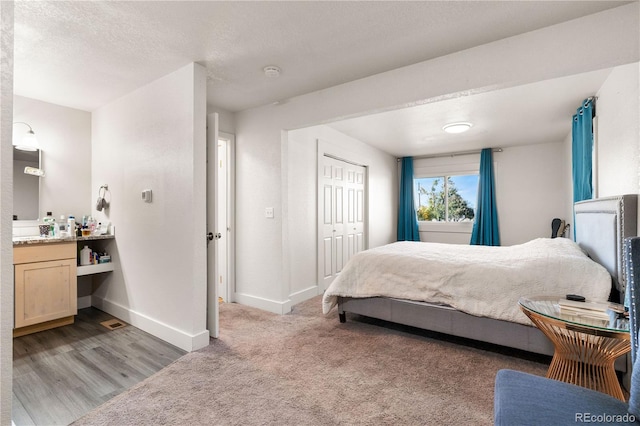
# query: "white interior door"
[[213, 232], [354, 207], [223, 291], [226, 215], [341, 202]]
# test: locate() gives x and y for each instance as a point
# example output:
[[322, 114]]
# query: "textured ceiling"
[[500, 118], [84, 54]]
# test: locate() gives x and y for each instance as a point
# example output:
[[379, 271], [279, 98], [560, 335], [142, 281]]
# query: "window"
[[446, 198]]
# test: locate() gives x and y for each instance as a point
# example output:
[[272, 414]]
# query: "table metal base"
[[584, 357]]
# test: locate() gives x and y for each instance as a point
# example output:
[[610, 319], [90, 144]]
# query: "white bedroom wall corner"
[[199, 116], [568, 178], [6, 209], [618, 152], [258, 185], [531, 190], [226, 119], [285, 185], [148, 139], [595, 167]]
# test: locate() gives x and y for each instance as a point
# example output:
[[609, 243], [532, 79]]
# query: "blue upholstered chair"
[[524, 399]]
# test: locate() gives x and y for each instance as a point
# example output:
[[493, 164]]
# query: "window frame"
[[442, 171]]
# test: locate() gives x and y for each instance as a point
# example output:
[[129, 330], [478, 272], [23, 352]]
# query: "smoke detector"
[[272, 71]]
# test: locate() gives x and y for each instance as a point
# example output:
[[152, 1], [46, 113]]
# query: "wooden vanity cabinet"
[[45, 286]]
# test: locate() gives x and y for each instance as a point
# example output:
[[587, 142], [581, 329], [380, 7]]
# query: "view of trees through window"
[[446, 198]]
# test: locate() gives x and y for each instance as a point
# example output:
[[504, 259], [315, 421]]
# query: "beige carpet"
[[308, 369]]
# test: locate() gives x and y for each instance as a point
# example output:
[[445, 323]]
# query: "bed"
[[600, 225]]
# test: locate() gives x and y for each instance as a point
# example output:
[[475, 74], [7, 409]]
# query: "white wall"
[[302, 176], [265, 269], [64, 136], [155, 138], [617, 152], [531, 190], [226, 119], [618, 148], [6, 207]]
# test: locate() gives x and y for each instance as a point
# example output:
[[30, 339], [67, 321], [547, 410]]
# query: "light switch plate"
[[146, 195], [268, 212]]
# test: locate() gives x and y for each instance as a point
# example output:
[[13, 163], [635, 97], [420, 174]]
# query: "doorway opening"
[[220, 221], [225, 211]]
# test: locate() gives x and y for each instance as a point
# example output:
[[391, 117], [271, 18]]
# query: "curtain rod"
[[451, 154]]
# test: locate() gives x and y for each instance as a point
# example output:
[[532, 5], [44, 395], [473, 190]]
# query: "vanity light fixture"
[[33, 171], [459, 127], [29, 141]]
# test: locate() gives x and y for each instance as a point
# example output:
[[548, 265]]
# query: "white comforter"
[[479, 280]]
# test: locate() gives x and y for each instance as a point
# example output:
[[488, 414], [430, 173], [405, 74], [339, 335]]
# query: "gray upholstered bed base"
[[444, 319], [601, 226]]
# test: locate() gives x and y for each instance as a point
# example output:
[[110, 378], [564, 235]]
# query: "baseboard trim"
[[84, 302], [154, 327], [264, 304], [302, 295]]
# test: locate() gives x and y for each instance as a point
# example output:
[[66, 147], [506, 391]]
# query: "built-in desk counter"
[[45, 285], [81, 241], [18, 241], [101, 241]]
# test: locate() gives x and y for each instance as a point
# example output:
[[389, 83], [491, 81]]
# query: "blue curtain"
[[485, 227], [581, 151], [407, 218]]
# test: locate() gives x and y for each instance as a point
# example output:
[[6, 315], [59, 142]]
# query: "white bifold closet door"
[[342, 216]]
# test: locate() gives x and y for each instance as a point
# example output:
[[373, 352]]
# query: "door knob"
[[211, 236]]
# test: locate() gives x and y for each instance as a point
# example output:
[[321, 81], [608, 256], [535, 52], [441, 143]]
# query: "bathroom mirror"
[[26, 187]]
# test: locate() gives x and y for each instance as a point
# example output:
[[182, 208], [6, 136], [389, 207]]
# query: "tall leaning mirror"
[[26, 174], [26, 186]]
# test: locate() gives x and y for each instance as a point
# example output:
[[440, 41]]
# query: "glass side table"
[[585, 347]]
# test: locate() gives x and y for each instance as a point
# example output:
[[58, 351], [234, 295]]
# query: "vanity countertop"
[[36, 239]]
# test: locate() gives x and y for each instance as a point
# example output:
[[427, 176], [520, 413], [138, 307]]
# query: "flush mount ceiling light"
[[28, 142], [459, 127], [272, 71]]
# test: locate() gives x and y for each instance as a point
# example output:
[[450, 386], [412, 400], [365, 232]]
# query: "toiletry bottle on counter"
[[71, 226], [49, 220], [54, 232], [85, 256], [92, 224]]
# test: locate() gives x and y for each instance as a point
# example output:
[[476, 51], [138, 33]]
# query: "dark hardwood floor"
[[61, 374]]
